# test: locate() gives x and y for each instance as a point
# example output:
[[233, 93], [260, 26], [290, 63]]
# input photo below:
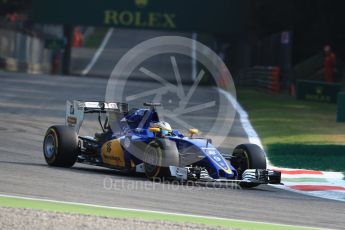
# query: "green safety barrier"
[[317, 91], [341, 107]]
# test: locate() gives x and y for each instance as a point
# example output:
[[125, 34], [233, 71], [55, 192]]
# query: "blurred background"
[[251, 36]]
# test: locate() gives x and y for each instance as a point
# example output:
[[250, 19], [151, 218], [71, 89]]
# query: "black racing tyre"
[[248, 156], [158, 156], [60, 146]]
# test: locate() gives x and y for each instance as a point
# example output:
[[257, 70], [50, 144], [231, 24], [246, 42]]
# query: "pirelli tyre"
[[60, 146], [248, 156], [158, 156]]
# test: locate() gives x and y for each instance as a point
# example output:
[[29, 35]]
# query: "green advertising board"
[[213, 16], [317, 91]]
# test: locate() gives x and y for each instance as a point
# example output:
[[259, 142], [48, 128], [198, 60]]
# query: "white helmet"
[[163, 125]]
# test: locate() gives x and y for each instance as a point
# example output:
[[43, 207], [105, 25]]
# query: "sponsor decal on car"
[[71, 120], [71, 110]]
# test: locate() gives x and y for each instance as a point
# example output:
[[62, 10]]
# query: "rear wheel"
[[248, 156], [60, 146]]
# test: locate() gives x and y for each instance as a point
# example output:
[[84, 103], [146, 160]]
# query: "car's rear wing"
[[75, 111]]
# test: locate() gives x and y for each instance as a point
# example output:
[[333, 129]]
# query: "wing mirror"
[[154, 129], [193, 132]]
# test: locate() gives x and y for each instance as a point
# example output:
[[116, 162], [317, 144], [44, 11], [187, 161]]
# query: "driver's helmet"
[[164, 126]]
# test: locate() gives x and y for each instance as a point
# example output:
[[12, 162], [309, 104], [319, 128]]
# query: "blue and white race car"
[[137, 140]]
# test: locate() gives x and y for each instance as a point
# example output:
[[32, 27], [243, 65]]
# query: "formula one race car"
[[138, 141]]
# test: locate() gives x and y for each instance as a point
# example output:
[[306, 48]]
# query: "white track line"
[[149, 211], [248, 128], [98, 53]]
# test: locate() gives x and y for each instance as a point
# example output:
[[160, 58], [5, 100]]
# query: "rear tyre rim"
[[49, 146]]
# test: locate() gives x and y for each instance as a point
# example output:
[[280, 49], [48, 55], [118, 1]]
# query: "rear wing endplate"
[[76, 110]]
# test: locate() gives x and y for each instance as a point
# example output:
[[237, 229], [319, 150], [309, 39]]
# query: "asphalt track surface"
[[118, 44], [30, 104]]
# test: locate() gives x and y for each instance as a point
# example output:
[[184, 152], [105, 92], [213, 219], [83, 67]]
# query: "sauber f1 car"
[[137, 140]]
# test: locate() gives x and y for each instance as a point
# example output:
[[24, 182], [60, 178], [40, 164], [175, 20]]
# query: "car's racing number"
[[215, 156]]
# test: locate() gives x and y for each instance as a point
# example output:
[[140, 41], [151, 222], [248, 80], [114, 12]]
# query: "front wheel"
[[60, 146], [248, 156]]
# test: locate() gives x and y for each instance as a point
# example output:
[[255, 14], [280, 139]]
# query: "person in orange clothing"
[[77, 38], [329, 64], [12, 17]]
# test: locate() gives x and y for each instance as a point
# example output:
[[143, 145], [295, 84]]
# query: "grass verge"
[[17, 202], [95, 39], [296, 134]]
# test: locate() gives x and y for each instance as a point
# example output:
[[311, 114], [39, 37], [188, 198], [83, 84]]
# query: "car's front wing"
[[249, 177]]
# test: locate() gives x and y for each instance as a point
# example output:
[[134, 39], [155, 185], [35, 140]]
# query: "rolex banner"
[[220, 16], [317, 91]]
